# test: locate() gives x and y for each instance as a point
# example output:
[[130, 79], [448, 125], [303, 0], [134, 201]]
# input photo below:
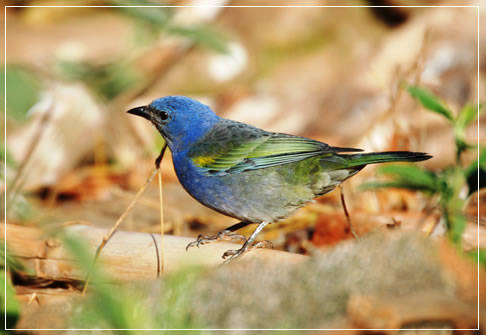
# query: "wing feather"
[[240, 147]]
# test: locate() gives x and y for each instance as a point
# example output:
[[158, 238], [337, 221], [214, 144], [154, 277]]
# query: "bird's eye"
[[164, 115]]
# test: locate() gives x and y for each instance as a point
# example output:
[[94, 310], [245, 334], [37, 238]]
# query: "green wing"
[[235, 147]]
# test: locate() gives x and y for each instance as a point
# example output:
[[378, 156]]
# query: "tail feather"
[[355, 160]]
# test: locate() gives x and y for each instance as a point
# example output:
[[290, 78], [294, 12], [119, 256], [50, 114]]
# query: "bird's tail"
[[356, 160]]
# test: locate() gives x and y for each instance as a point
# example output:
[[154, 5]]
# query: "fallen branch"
[[127, 256]]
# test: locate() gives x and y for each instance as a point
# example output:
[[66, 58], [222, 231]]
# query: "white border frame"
[[214, 6]]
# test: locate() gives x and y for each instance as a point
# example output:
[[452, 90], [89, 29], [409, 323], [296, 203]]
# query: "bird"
[[244, 172]]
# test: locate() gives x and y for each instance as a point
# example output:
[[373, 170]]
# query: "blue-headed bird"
[[247, 173]]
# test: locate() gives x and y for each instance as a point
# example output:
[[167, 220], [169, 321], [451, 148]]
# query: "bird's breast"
[[212, 191]]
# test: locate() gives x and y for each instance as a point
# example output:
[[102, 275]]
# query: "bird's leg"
[[227, 234], [233, 254]]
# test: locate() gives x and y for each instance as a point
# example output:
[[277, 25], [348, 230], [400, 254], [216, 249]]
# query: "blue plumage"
[[188, 121]]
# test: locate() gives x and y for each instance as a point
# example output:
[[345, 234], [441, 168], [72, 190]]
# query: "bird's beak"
[[140, 111]]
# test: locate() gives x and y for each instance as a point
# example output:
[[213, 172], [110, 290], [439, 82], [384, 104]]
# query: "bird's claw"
[[196, 243], [223, 235], [233, 254]]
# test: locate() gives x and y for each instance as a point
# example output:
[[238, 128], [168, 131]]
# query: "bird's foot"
[[233, 254], [223, 235]]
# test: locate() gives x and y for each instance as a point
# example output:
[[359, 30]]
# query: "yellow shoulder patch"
[[203, 160]]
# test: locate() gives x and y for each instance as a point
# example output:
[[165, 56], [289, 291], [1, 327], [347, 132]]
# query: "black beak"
[[140, 111]]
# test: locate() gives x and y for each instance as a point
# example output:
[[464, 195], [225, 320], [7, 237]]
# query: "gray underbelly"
[[259, 195], [268, 194]]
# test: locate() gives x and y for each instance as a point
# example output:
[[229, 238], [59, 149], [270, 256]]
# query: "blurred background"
[[333, 74], [338, 75]]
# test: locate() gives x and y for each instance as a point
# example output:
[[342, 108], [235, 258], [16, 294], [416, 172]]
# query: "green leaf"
[[408, 177], [456, 223], [21, 209], [107, 80], [23, 88], [461, 144], [6, 156], [430, 101], [478, 255], [392, 184], [115, 307], [480, 161], [13, 263], [412, 177], [202, 35], [156, 16], [177, 300], [482, 158], [11, 310], [468, 113], [109, 304]]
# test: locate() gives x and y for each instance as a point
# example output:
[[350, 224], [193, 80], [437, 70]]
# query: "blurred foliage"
[[113, 307], [21, 209], [22, 93], [160, 20], [108, 80], [476, 172], [12, 263], [238, 297], [458, 121], [173, 305], [429, 101], [449, 183], [9, 303], [107, 303], [150, 23], [410, 177], [7, 156], [478, 255], [202, 35], [154, 16], [132, 307]]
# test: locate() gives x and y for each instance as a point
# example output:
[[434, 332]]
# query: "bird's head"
[[180, 120]]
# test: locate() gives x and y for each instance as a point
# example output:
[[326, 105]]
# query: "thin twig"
[[161, 224], [157, 255], [157, 164], [107, 237], [159, 158], [355, 235]]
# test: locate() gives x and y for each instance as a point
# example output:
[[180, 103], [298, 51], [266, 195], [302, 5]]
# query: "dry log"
[[127, 256]]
